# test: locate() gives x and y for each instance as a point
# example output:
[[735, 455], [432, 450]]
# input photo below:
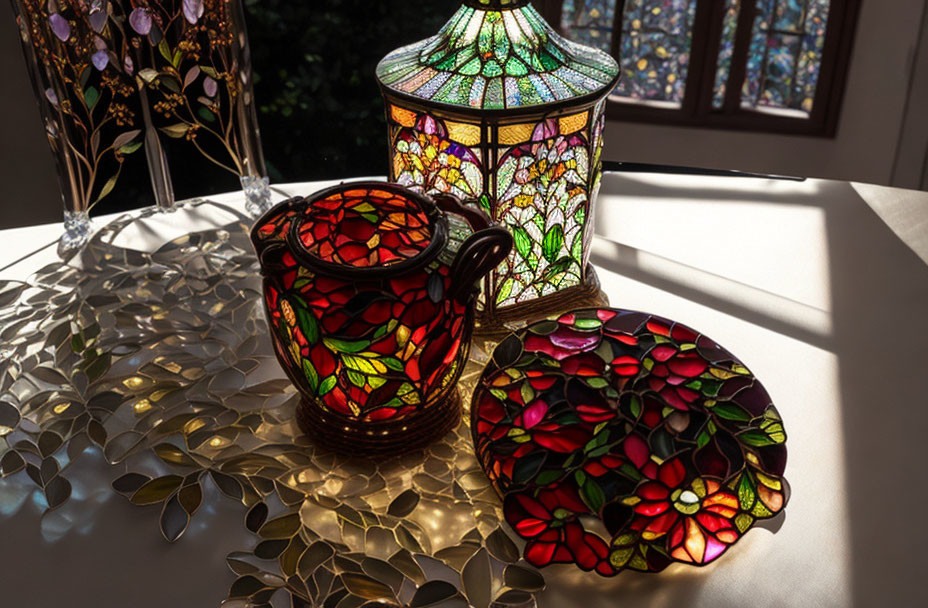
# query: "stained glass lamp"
[[500, 108]]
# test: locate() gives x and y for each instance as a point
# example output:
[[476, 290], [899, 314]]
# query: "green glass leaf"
[[527, 467], [635, 406], [171, 83], [107, 188], [86, 73], [588, 323], [552, 271], [702, 440], [206, 114], [522, 240], [91, 97], [357, 379], [761, 511], [359, 364], [548, 477], [327, 385], [392, 363], [711, 388], [311, 376], [756, 439], [165, 50], [620, 557], [130, 148], [553, 242], [528, 393], [746, 493], [630, 471], [499, 394], [593, 495], [505, 291], [343, 346], [580, 477], [307, 322], [773, 427], [730, 411]]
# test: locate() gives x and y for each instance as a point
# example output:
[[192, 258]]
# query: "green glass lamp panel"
[[541, 185], [473, 58]]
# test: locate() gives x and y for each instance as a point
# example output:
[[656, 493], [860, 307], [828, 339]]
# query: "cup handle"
[[481, 253], [474, 215]]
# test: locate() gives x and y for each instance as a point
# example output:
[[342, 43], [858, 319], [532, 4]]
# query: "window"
[[763, 65]]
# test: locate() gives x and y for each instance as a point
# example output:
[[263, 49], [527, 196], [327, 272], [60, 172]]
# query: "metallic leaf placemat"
[[161, 362]]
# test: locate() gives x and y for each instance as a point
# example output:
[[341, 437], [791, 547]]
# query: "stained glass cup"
[[370, 291]]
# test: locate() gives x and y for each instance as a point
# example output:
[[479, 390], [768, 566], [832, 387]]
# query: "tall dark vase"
[[112, 77]]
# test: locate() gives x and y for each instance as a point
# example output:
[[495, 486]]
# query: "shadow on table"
[[882, 362]]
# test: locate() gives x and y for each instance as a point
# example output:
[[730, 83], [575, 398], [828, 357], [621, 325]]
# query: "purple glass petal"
[[140, 20], [60, 26], [51, 96], [210, 87], [97, 19], [193, 10], [574, 340], [100, 60], [130, 67]]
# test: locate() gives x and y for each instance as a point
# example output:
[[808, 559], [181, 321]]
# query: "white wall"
[[868, 133]]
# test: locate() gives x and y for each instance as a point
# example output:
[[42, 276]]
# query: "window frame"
[[696, 109]]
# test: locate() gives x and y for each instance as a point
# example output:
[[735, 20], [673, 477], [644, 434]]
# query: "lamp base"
[[499, 323], [355, 438]]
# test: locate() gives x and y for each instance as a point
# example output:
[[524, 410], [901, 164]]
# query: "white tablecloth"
[[820, 287]]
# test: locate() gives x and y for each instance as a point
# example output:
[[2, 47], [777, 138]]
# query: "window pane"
[[656, 37], [785, 54], [589, 22], [655, 44]]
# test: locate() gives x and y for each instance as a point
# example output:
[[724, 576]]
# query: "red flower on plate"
[[671, 370], [696, 522], [555, 536]]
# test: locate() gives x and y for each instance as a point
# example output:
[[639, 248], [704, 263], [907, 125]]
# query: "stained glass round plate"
[[632, 426]]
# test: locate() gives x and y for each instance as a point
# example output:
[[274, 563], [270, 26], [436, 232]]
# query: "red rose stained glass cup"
[[635, 420], [370, 292]]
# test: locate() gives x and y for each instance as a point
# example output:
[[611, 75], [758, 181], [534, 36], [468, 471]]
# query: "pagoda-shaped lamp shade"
[[500, 108]]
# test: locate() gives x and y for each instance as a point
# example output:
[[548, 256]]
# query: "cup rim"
[[437, 224]]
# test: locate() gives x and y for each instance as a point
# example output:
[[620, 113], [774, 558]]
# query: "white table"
[[820, 287]]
